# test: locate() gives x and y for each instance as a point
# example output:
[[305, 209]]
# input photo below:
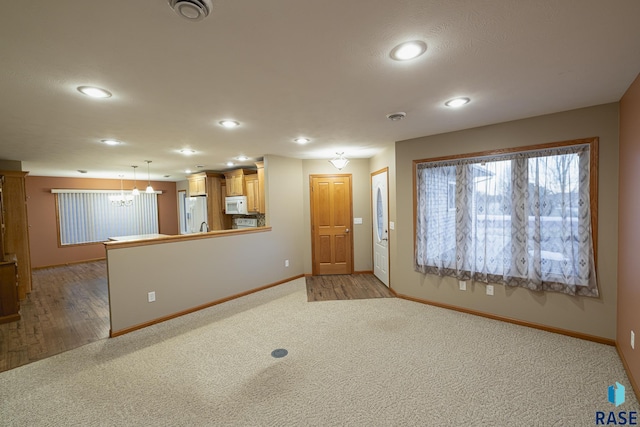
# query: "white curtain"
[[522, 219], [92, 217]]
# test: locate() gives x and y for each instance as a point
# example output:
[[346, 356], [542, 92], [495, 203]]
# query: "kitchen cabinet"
[[198, 184], [9, 301], [15, 236], [261, 202], [253, 196], [235, 182]]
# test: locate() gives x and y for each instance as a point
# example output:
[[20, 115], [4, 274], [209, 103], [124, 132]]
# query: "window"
[[90, 216], [519, 217]]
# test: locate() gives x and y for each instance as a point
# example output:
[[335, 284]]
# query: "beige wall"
[[629, 232], [43, 231], [591, 316], [10, 165], [361, 196], [192, 273]]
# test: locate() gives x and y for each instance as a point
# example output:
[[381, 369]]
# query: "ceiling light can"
[[457, 102], [94, 92], [192, 10], [408, 50], [396, 116], [229, 123]]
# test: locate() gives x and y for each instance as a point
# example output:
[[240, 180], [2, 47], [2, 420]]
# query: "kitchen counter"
[[155, 239], [136, 237]]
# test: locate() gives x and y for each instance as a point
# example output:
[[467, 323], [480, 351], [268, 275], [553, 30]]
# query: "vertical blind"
[[91, 217]]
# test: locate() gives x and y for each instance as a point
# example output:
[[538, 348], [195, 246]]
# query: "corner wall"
[[590, 316], [629, 233], [43, 229]]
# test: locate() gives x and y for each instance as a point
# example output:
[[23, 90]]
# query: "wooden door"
[[331, 218]]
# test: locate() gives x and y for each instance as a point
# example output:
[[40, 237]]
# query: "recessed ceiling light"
[[229, 123], [396, 116], [187, 171], [187, 151], [242, 158], [230, 163], [94, 92], [457, 102], [301, 140], [111, 141], [408, 50]]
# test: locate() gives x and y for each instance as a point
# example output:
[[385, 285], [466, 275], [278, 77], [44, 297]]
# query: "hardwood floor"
[[345, 287], [68, 307]]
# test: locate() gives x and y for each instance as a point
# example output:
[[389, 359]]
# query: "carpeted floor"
[[372, 362]]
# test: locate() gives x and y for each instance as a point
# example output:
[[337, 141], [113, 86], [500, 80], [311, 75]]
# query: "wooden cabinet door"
[[253, 195], [197, 186]]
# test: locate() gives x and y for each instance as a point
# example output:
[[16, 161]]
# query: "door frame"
[[379, 171], [314, 271]]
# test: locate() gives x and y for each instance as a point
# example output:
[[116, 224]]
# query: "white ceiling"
[[288, 68]]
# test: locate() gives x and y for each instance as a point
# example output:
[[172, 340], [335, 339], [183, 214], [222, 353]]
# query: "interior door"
[[331, 217], [380, 216]]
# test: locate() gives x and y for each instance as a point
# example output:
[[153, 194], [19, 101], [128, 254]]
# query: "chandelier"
[[121, 200]]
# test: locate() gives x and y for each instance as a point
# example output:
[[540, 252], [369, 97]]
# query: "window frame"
[[593, 143]]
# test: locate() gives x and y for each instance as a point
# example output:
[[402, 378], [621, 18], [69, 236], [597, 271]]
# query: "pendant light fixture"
[[135, 190], [121, 200], [340, 161], [149, 187]]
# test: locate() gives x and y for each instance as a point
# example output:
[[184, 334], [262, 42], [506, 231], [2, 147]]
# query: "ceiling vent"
[[192, 10]]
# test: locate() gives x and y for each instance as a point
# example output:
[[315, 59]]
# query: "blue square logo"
[[616, 394]]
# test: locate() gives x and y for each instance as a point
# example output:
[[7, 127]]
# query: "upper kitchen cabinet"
[[255, 190], [198, 184], [235, 181]]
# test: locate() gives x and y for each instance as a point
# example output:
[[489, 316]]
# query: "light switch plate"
[[489, 289], [357, 220], [463, 285], [392, 225]]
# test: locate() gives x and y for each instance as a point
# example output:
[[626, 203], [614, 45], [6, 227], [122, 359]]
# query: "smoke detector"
[[396, 116], [192, 10]]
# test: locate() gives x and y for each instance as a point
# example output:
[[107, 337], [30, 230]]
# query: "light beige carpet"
[[378, 362]]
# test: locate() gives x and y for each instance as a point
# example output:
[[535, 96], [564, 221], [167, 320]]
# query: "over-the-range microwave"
[[235, 205]]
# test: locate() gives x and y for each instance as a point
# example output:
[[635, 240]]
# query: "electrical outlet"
[[489, 289], [392, 225], [463, 285], [286, 263], [633, 341], [151, 296]]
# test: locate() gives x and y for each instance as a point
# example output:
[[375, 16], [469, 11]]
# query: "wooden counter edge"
[[183, 237]]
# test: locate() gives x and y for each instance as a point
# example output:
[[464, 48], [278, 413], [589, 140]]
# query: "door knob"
[[347, 230]]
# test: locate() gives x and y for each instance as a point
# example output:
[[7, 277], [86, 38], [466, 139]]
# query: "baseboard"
[[113, 334], [355, 272], [42, 267], [632, 380], [555, 330]]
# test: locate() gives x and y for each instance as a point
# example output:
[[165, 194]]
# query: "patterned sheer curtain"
[[91, 217], [522, 219]]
